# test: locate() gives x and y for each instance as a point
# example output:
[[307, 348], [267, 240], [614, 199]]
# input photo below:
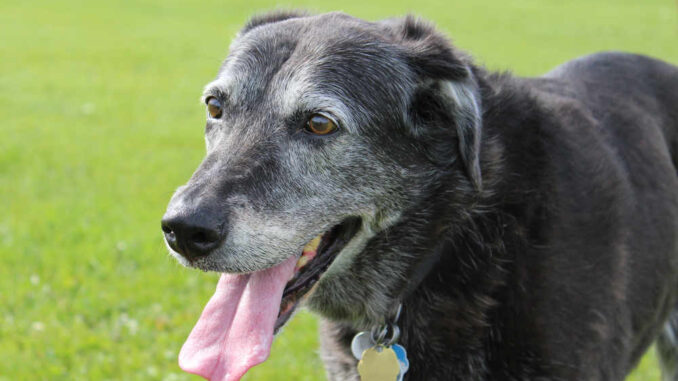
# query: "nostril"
[[165, 228], [199, 237], [203, 237], [199, 241]]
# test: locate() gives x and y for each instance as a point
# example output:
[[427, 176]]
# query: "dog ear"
[[271, 17], [448, 86]]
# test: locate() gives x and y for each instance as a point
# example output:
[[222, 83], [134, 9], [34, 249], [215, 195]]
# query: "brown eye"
[[320, 125], [214, 107]]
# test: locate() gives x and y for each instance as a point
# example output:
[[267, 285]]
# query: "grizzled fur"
[[529, 226]]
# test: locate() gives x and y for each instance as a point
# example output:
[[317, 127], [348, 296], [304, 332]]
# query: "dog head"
[[333, 127]]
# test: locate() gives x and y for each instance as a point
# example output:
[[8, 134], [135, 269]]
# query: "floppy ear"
[[468, 123], [448, 89]]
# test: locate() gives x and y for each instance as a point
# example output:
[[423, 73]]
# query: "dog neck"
[[466, 254]]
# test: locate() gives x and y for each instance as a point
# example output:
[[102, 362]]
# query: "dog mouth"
[[237, 326], [315, 259]]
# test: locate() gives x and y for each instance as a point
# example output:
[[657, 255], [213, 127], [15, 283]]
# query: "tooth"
[[303, 261], [313, 245]]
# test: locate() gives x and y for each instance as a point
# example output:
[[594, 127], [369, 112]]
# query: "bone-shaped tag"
[[379, 364]]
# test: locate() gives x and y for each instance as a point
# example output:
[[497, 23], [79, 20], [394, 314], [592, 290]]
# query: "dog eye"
[[214, 107], [320, 125]]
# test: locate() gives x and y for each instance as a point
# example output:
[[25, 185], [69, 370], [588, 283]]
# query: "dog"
[[526, 227]]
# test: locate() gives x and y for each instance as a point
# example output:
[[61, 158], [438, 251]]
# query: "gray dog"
[[528, 227]]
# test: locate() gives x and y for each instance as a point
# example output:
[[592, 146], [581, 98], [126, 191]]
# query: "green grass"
[[100, 122]]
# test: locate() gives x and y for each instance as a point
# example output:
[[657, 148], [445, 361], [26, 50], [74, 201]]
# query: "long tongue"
[[235, 330]]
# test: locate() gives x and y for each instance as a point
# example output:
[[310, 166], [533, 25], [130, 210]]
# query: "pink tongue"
[[235, 330]]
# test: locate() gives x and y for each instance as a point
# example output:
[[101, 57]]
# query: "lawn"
[[101, 121]]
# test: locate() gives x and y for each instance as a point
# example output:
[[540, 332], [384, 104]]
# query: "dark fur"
[[552, 216]]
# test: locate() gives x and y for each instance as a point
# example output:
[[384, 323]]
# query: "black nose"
[[190, 236]]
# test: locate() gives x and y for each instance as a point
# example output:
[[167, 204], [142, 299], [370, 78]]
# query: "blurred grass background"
[[100, 122]]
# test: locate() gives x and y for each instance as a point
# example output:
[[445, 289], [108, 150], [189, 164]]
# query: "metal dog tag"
[[379, 364], [360, 343]]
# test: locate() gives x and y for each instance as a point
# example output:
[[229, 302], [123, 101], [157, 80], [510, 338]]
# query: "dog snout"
[[191, 235]]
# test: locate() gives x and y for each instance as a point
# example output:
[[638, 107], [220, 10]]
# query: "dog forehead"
[[327, 61]]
